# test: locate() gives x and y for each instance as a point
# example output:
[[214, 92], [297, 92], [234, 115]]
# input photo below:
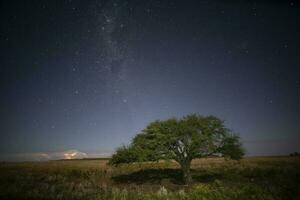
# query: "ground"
[[213, 178]]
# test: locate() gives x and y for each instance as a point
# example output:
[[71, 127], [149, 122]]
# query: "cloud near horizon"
[[69, 154], [269, 147]]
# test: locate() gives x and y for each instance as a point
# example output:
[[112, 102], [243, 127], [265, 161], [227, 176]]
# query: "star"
[[39, 100]]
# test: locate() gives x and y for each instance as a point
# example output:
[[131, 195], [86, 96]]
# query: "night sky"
[[89, 75]]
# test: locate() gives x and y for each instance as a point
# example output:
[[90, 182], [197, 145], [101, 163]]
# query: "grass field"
[[213, 178]]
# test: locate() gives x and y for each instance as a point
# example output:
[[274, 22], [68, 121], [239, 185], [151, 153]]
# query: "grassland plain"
[[213, 178]]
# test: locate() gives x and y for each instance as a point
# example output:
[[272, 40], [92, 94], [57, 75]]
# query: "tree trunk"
[[186, 169]]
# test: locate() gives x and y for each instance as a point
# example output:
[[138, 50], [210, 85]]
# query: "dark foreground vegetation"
[[213, 178]]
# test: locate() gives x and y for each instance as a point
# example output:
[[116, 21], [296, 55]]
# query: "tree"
[[193, 136]]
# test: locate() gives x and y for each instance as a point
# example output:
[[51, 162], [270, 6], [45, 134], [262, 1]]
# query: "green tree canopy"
[[193, 136]]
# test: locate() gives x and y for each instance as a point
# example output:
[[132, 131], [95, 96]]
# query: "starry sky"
[[89, 75]]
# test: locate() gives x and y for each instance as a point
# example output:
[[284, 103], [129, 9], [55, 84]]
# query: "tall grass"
[[214, 178]]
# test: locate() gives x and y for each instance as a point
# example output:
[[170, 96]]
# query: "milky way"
[[87, 76]]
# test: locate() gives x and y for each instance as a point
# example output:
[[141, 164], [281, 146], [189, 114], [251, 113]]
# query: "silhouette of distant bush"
[[295, 154]]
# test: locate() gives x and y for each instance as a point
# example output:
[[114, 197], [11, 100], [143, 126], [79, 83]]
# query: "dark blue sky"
[[89, 75]]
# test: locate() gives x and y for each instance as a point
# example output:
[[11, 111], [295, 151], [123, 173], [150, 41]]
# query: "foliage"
[[124, 155], [182, 140]]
